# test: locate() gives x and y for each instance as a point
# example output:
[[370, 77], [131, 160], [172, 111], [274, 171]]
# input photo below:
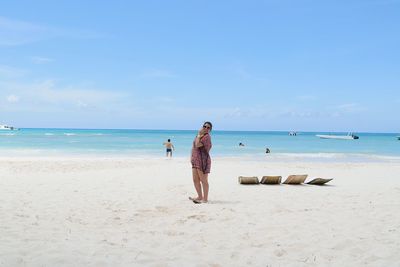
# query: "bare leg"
[[196, 182], [204, 183]]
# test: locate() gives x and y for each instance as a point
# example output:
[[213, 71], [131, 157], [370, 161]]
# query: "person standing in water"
[[201, 163], [169, 147]]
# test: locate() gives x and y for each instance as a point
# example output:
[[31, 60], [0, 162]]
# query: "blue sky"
[[244, 65]]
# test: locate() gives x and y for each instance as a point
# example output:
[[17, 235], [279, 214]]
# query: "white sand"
[[136, 212]]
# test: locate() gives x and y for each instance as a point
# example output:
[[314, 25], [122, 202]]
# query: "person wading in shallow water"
[[201, 163], [169, 147]]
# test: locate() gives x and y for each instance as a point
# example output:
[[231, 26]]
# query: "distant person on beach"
[[201, 163], [169, 147], [267, 150]]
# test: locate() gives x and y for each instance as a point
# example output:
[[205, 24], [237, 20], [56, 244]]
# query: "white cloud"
[[41, 60], [47, 95], [236, 113], [16, 32], [82, 104], [78, 95], [11, 72], [242, 72], [165, 100], [267, 113], [12, 99], [298, 113], [158, 73], [246, 112], [307, 97], [349, 108]]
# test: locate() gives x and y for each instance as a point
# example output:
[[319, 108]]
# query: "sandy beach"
[[136, 212]]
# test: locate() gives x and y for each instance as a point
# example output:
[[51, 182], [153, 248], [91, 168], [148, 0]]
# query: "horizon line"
[[144, 129]]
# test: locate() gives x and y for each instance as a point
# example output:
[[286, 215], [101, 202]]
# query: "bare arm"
[[200, 134], [197, 142]]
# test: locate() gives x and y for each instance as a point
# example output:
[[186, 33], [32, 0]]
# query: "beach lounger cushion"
[[271, 180], [319, 181], [248, 180], [295, 179]]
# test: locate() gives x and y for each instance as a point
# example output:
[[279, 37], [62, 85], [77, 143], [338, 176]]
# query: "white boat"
[[349, 136], [7, 128]]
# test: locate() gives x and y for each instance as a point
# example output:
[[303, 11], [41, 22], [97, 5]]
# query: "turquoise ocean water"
[[148, 143]]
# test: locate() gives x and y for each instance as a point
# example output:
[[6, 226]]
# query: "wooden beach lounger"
[[319, 181], [271, 180], [295, 179], [248, 180]]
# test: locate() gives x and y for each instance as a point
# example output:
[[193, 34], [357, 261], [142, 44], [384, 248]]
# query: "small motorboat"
[[7, 128], [349, 136]]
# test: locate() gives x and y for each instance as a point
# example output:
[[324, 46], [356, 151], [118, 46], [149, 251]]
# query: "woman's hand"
[[202, 132]]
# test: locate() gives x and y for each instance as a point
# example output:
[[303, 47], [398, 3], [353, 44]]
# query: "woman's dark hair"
[[209, 123]]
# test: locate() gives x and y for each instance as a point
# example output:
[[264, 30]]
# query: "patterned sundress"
[[201, 155]]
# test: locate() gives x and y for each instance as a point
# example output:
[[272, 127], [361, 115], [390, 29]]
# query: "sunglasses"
[[206, 127]]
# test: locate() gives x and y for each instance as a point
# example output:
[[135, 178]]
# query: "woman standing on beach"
[[201, 163]]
